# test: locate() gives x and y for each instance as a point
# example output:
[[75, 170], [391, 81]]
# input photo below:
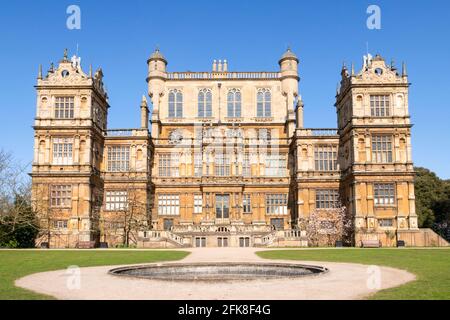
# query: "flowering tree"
[[325, 227]]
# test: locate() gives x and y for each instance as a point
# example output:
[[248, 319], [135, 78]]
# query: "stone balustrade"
[[223, 75], [319, 132], [126, 133]]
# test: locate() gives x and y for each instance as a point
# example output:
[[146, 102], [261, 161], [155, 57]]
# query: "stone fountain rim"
[[317, 271]]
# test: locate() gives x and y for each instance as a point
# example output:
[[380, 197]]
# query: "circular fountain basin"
[[218, 271]]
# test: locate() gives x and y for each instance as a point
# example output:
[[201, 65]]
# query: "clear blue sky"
[[120, 35]]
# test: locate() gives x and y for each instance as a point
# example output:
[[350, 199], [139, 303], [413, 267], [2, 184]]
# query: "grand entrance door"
[[168, 223], [222, 206], [277, 223]]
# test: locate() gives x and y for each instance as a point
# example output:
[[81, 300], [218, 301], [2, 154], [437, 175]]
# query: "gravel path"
[[343, 281]]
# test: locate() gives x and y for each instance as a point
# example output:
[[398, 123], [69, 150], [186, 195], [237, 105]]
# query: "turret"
[[289, 83], [289, 72], [157, 66]]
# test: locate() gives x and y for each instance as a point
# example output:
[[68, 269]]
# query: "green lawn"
[[15, 264], [431, 266]]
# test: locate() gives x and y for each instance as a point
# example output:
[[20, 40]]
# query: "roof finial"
[[40, 72], [143, 101], [393, 68], [404, 73], [353, 69], [65, 54], [344, 71]]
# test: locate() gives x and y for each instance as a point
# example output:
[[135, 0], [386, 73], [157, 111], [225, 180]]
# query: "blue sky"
[[120, 35]]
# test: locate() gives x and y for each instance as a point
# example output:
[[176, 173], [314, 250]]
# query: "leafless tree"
[[15, 197], [131, 218]]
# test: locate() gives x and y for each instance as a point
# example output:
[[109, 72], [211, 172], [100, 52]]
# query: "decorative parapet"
[[313, 132], [70, 74], [126, 133], [223, 75]]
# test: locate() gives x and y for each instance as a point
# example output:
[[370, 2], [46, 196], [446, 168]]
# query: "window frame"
[[198, 203], [168, 164], [116, 200], [247, 203], [118, 158], [263, 103], [198, 164], [327, 199], [381, 223], [64, 109], [384, 194], [204, 103], [60, 224], [382, 148], [222, 164], [380, 105], [276, 204], [234, 103], [175, 104], [61, 196], [325, 157], [246, 165], [275, 165], [62, 151], [168, 204]]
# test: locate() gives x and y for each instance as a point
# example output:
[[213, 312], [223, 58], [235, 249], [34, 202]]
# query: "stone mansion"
[[222, 159]]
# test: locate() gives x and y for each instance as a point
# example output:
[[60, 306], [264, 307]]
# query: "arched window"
[[175, 104], [264, 108], [205, 103], [234, 103]]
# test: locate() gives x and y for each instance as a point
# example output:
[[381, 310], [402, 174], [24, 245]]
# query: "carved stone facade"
[[226, 162]]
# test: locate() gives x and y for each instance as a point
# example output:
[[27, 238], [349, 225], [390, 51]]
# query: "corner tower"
[[289, 86], [69, 129], [157, 75], [375, 149]]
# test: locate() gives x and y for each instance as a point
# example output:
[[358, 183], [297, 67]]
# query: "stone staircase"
[[164, 239], [284, 238], [274, 238]]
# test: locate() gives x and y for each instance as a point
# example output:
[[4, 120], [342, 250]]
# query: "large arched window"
[[175, 104], [205, 103], [234, 103], [264, 108]]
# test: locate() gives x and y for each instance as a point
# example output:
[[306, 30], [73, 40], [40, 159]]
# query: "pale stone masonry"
[[226, 161]]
